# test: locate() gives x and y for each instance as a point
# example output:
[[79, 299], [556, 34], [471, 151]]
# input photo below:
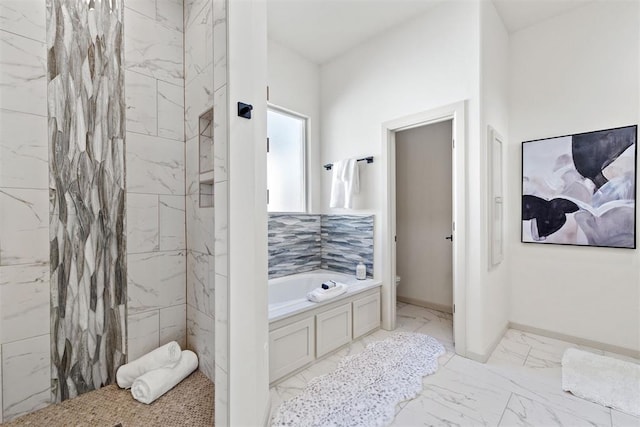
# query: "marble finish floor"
[[520, 385]]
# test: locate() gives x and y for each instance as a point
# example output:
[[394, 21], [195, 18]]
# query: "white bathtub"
[[288, 294]]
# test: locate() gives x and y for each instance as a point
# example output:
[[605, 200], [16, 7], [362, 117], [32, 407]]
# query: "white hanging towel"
[[345, 183]]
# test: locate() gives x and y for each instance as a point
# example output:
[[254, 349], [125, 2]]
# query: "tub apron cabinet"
[[297, 341]]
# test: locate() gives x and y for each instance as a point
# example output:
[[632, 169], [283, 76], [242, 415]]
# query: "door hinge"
[[267, 93], [267, 145], [267, 196], [453, 225], [454, 308], [453, 143], [395, 238]]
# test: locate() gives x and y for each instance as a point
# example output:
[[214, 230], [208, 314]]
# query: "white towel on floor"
[[319, 294], [167, 355], [154, 384], [345, 183]]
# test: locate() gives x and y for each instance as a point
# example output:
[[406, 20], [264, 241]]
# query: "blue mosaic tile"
[[294, 244], [346, 241]]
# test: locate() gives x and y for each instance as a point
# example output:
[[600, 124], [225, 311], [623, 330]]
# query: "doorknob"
[[449, 238]]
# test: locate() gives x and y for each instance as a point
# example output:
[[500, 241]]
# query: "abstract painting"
[[580, 189]]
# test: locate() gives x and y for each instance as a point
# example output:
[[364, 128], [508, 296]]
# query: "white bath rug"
[[365, 387], [610, 382]]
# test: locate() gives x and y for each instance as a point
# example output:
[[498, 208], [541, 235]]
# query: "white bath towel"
[[319, 294], [154, 384], [610, 382], [345, 183], [167, 355]]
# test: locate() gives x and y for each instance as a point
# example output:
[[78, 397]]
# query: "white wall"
[[574, 73], [423, 215], [294, 84], [494, 112], [423, 64]]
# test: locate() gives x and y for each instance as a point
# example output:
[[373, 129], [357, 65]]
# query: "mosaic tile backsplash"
[[304, 242]]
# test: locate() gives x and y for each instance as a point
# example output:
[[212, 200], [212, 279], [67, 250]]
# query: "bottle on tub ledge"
[[361, 271]]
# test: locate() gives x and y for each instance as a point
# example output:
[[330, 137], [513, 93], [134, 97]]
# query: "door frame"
[[456, 113]]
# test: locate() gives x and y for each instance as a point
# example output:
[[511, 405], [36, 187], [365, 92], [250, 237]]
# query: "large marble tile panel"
[[142, 103], [169, 13], [24, 226], [620, 419], [221, 226], [24, 301], [522, 411], [145, 7], [200, 289], [509, 352], [143, 333], [192, 172], [156, 280], [220, 142], [26, 376], [201, 339], [154, 165], [24, 156], [198, 35], [198, 100], [173, 325], [23, 84], [153, 49], [24, 17], [170, 111], [143, 234], [172, 222], [222, 320], [200, 226], [219, 43], [221, 396]]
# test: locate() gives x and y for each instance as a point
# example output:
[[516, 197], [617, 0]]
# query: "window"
[[286, 183]]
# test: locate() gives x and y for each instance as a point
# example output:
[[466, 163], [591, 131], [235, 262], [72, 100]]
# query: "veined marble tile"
[[153, 49], [23, 83], [170, 111], [156, 280], [142, 103], [172, 222], [198, 35], [154, 165], [219, 43], [220, 142], [24, 17], [192, 173], [24, 301], [145, 7], [24, 226], [221, 399], [143, 333], [143, 233], [26, 376], [200, 226], [620, 419], [200, 289], [173, 325], [1, 418], [201, 339], [169, 13], [509, 352], [221, 227], [198, 99], [522, 411], [23, 147], [222, 320]]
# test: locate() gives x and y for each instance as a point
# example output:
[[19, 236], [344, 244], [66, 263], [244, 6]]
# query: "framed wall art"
[[580, 189]]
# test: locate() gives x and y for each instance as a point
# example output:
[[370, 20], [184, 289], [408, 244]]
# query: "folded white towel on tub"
[[154, 384], [319, 294], [168, 354]]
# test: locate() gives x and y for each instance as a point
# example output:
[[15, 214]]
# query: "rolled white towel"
[[167, 355], [154, 384], [319, 294]]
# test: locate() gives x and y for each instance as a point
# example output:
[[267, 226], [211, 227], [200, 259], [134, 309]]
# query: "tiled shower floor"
[[519, 385]]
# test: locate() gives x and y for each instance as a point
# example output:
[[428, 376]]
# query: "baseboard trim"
[[576, 340], [425, 304], [483, 357]]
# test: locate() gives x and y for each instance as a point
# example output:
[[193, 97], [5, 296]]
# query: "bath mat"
[[610, 382], [365, 387]]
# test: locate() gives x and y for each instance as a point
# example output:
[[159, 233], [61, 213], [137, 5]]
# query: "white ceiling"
[[323, 29]]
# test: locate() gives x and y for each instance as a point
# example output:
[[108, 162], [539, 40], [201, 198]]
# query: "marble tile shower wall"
[[24, 210], [305, 242], [201, 261], [156, 244]]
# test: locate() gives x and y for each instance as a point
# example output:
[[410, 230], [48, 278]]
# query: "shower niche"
[[205, 156]]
